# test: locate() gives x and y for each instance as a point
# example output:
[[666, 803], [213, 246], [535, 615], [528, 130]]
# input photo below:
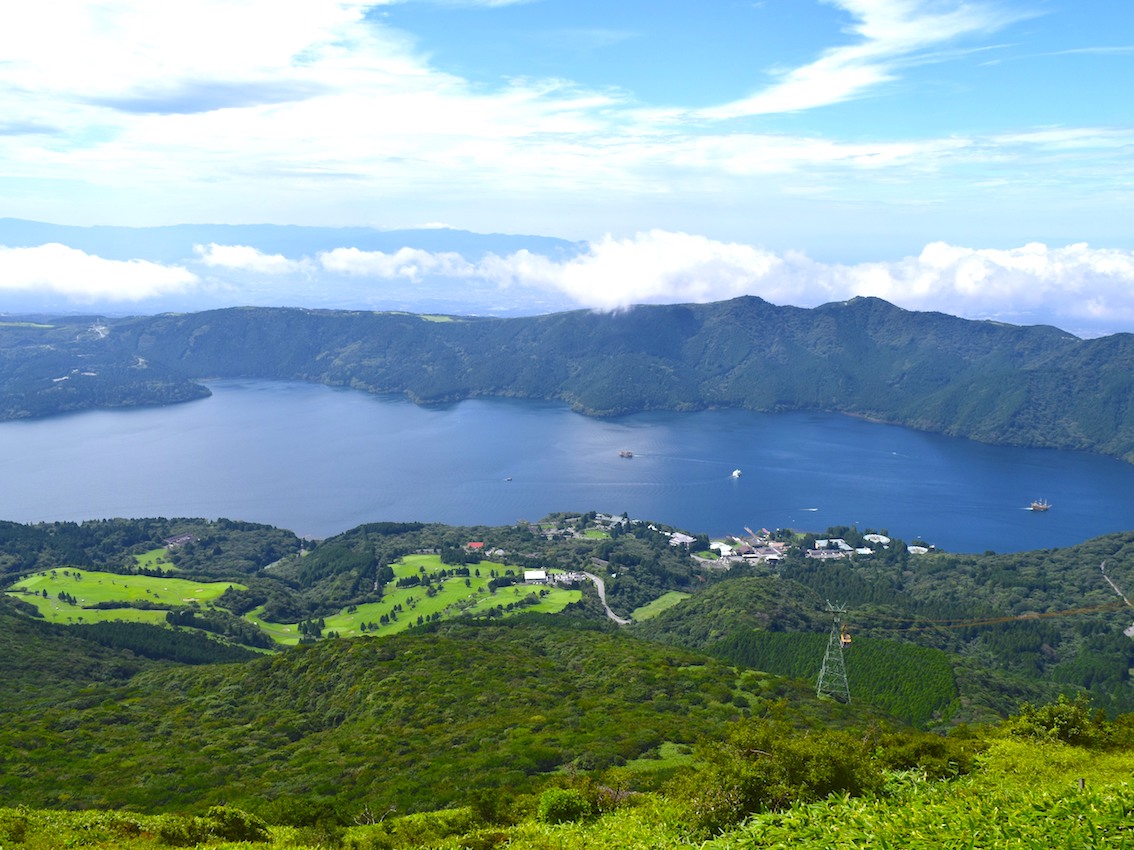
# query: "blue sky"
[[975, 157]]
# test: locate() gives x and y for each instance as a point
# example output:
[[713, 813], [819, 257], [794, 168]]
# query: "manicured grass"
[[597, 534], [554, 601], [402, 606], [406, 606], [652, 609], [90, 587], [155, 558]]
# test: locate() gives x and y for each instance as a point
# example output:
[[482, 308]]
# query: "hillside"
[[416, 721], [40, 663], [680, 736], [994, 630], [1034, 386]]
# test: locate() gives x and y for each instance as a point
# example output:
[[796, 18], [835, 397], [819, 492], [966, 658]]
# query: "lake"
[[318, 461]]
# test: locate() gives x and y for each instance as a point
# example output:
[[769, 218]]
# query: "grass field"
[[89, 587], [652, 609], [155, 558], [401, 606], [408, 606]]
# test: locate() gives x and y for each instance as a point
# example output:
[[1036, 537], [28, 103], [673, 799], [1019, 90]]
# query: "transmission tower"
[[833, 676]]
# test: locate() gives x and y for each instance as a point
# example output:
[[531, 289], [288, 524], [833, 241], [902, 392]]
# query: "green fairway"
[[652, 609], [443, 598], [155, 559], [428, 594], [89, 587]]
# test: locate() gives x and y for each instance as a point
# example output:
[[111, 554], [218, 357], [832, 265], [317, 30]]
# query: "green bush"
[[235, 825], [563, 805], [177, 831], [768, 765], [221, 822], [935, 756], [1070, 721], [13, 825]]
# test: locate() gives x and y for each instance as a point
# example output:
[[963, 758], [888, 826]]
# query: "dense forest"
[[699, 724], [1033, 386]]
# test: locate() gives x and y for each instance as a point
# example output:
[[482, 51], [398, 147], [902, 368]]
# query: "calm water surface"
[[319, 461]]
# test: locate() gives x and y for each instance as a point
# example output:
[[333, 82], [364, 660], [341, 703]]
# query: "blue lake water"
[[318, 461]]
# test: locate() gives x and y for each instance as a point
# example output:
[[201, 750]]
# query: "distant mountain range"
[[174, 243], [304, 282], [997, 383]]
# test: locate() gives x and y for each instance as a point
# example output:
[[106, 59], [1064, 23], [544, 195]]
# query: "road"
[[601, 587]]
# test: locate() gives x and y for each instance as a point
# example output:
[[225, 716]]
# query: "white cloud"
[[245, 258], [891, 33], [406, 263], [1076, 287], [234, 99], [653, 267], [81, 277]]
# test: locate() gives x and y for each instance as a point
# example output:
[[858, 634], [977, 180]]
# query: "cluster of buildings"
[[761, 547]]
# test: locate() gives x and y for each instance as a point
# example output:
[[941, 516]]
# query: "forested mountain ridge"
[[998, 383]]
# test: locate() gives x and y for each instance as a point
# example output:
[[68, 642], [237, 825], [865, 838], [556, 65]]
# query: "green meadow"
[[90, 587], [655, 607], [446, 597], [400, 608], [155, 559]]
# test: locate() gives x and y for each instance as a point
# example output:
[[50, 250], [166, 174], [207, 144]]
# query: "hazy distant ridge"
[[1035, 386]]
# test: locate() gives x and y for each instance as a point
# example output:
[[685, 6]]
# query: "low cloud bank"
[[58, 270], [1079, 288]]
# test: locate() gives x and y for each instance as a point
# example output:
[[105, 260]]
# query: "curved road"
[[600, 586]]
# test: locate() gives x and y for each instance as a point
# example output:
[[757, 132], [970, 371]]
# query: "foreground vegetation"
[[399, 686], [1019, 785]]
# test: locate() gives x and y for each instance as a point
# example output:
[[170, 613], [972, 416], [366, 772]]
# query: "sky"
[[972, 157]]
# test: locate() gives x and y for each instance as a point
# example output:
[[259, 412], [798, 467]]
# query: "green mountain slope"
[[416, 720], [998, 383]]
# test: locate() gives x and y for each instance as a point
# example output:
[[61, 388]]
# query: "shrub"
[[563, 805], [13, 825], [768, 765], [221, 822], [235, 825], [177, 831], [1070, 721], [935, 756]]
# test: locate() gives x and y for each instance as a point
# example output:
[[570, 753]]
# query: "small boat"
[[1039, 505], [626, 453], [509, 478], [736, 473]]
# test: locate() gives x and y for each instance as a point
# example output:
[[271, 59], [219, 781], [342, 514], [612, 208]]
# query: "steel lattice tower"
[[833, 676]]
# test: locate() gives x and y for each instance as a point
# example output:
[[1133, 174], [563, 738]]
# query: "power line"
[[923, 624]]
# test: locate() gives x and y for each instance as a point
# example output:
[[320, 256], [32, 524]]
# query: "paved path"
[[601, 587]]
